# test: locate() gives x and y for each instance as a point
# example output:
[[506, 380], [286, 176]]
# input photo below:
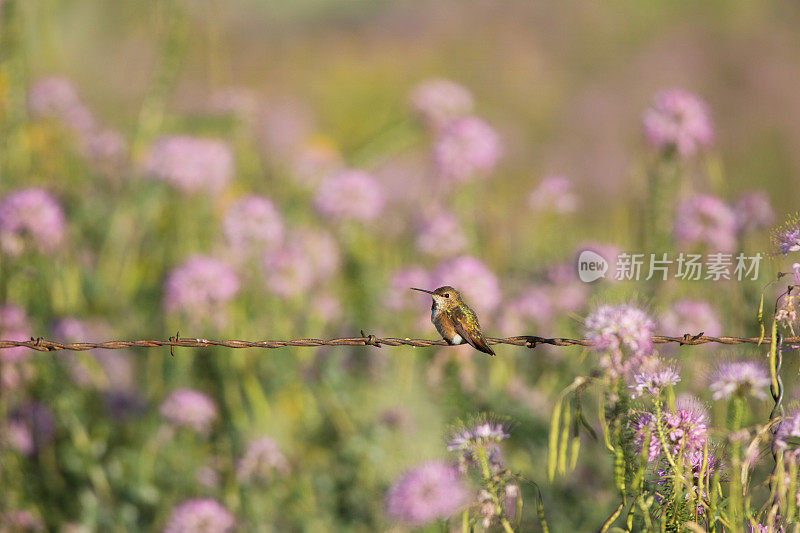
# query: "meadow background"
[[272, 170]]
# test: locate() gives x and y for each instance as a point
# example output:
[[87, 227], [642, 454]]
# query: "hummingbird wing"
[[466, 324]]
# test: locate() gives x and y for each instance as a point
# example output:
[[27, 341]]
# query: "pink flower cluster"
[[554, 194], [30, 220], [621, 327], [198, 287], [202, 514], [466, 148], [439, 101], [262, 460], [253, 225], [56, 98], [350, 195], [191, 164], [440, 234], [678, 120], [706, 220], [14, 327], [430, 492], [190, 409], [308, 257]]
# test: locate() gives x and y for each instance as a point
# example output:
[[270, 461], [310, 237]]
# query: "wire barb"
[[370, 340], [174, 339], [526, 341]]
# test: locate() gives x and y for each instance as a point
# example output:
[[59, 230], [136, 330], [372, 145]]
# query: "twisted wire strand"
[[528, 341], [777, 395]]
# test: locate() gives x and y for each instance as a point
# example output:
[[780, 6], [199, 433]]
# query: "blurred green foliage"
[[564, 83]]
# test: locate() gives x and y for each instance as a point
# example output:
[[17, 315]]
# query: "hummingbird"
[[455, 321]]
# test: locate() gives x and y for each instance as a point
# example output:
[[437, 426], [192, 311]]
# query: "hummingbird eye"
[[447, 295]]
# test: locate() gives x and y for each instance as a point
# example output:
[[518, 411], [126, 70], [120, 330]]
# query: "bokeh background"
[[276, 170]]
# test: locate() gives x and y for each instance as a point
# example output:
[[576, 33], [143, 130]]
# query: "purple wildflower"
[[439, 101], [74, 330], [690, 316], [14, 327], [754, 211], [262, 460], [52, 97], [787, 436], [30, 428], [693, 462], [20, 520], [432, 491], [15, 374], [253, 225], [309, 256], [105, 147], [744, 378], [762, 528], [80, 120], [479, 435], [692, 404], [191, 409], [399, 297], [440, 234], [654, 380], [466, 147], [56, 98], [350, 195], [482, 433], [554, 193], [644, 428], [198, 287], [531, 306], [284, 126], [614, 328], [687, 427], [30, 219], [678, 120], [115, 364], [327, 307], [786, 237], [684, 429], [321, 251], [202, 514], [473, 278], [567, 293], [287, 271], [705, 219], [191, 164]]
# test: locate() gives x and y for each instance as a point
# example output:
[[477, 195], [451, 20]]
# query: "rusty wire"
[[527, 341]]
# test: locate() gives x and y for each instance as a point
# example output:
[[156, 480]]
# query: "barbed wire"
[[527, 341]]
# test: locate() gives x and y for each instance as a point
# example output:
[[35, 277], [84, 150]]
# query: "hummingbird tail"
[[480, 343]]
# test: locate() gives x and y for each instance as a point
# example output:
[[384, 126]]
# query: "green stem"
[[484, 462], [736, 414], [492, 489], [661, 438], [662, 195]]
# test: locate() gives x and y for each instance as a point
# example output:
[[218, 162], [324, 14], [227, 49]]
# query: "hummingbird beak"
[[421, 290]]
